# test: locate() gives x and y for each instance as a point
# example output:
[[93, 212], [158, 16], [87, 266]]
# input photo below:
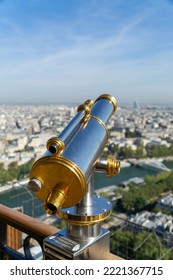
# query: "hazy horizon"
[[74, 104], [69, 51]]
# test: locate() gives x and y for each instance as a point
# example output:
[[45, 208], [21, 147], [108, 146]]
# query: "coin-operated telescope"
[[63, 179]]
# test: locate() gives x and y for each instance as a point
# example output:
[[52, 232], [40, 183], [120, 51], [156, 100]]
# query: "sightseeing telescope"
[[63, 179]]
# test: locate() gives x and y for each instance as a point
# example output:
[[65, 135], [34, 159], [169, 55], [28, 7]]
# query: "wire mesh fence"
[[132, 241], [22, 197]]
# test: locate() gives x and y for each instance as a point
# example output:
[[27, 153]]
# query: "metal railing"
[[33, 228]]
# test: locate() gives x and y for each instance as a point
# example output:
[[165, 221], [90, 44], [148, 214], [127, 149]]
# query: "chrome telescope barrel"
[[61, 176], [72, 128], [74, 125], [66, 135], [89, 142]]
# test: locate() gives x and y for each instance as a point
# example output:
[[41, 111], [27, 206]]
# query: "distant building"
[[166, 202], [137, 105], [152, 221], [136, 180]]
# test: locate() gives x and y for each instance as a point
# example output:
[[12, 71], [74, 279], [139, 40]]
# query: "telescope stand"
[[84, 238]]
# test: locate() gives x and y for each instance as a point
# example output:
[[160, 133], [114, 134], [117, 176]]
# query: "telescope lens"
[[55, 145], [51, 207], [53, 149]]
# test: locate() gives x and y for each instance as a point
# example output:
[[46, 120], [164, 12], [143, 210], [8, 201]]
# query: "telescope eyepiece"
[[51, 207], [53, 149], [56, 198], [55, 145]]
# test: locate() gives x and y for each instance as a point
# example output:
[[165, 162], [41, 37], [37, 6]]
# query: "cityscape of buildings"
[[24, 131]]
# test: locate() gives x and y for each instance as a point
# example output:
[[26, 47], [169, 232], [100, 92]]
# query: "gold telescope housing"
[[69, 190]]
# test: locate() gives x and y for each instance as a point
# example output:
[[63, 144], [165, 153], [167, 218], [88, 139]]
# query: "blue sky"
[[70, 50]]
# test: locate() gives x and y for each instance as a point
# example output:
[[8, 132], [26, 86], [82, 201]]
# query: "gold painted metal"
[[84, 220], [113, 166], [51, 171], [102, 123], [110, 98], [87, 112], [87, 106], [58, 143], [56, 198], [89, 103]]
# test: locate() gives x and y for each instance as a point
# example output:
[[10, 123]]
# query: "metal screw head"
[[34, 185]]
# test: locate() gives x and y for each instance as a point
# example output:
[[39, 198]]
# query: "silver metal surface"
[[101, 166], [70, 130], [103, 109], [85, 142], [83, 234], [87, 200], [100, 205], [87, 145], [34, 185], [95, 249]]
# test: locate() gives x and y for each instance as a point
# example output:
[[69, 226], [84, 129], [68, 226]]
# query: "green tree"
[[1, 166], [148, 246], [13, 170], [25, 169], [134, 200], [140, 202], [161, 151], [121, 243], [169, 181], [141, 246], [139, 152]]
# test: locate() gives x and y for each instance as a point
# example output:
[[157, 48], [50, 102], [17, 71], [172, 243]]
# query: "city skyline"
[[69, 51]]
